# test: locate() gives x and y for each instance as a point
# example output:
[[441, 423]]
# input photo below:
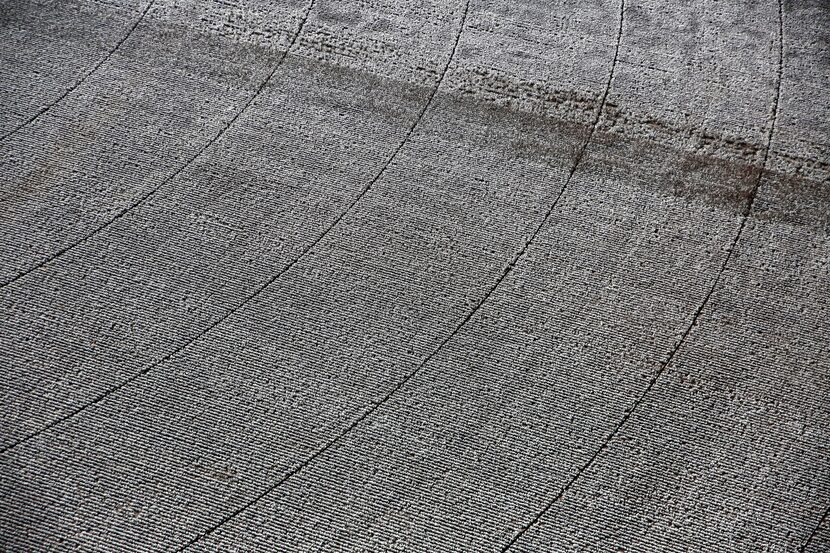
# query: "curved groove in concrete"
[[123, 212], [259, 289], [806, 543], [253, 501], [350, 372], [506, 271], [152, 191], [664, 365], [80, 81]]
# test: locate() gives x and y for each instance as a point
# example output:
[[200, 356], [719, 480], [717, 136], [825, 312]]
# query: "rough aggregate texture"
[[467, 275]]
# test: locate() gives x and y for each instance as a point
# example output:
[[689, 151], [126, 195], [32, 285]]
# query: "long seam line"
[[377, 404], [174, 174], [152, 365], [256, 499], [72, 88], [744, 217]]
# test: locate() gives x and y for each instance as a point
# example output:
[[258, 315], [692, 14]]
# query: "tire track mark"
[[81, 81], [695, 317], [149, 194], [506, 271]]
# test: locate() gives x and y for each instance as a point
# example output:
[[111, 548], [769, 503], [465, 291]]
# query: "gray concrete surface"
[[401, 276]]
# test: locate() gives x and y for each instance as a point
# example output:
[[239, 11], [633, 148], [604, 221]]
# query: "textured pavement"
[[382, 275]]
